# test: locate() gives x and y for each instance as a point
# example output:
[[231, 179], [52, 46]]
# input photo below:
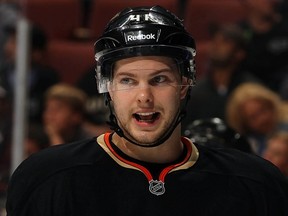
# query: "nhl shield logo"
[[156, 187]]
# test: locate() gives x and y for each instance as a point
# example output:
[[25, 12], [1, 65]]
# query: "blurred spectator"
[[213, 132], [253, 110], [36, 139], [277, 151], [267, 34], [97, 112], [226, 53], [282, 9], [64, 114], [40, 75], [9, 14]]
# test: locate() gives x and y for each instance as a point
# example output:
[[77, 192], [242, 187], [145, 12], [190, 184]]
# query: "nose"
[[144, 95]]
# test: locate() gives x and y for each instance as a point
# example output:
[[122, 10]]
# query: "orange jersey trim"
[[189, 160]]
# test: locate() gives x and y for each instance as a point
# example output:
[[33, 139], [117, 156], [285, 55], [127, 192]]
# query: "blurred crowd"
[[240, 101], [57, 112]]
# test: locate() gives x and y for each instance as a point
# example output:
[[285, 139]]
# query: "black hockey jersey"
[[90, 178]]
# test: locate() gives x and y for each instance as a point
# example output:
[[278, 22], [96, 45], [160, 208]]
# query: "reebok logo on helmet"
[[150, 36], [140, 36]]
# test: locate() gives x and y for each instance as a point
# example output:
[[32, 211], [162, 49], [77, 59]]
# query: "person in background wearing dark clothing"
[[266, 32], [209, 96], [40, 75], [146, 68], [36, 139], [282, 10], [9, 15]]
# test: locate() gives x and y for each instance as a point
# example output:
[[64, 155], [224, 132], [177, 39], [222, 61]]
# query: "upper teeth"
[[145, 114]]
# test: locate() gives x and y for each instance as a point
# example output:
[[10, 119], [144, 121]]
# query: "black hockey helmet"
[[143, 31], [214, 132]]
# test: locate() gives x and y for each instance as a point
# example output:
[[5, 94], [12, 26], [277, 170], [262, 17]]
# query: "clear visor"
[[138, 78], [105, 74]]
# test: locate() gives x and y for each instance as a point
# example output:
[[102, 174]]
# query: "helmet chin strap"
[[114, 124]]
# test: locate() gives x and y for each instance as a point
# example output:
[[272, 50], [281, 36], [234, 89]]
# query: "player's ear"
[[110, 95], [184, 88]]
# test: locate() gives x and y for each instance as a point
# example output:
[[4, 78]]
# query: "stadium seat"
[[71, 59], [58, 18], [201, 15]]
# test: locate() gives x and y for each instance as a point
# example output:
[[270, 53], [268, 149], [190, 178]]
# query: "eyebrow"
[[132, 74]]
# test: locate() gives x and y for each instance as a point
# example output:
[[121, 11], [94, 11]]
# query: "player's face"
[[59, 116], [146, 94], [222, 51], [259, 116]]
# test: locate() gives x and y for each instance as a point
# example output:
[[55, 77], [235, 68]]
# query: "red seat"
[[71, 59], [58, 18], [200, 14]]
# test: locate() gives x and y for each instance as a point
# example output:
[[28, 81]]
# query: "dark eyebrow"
[[165, 71], [125, 73], [131, 74], [170, 70]]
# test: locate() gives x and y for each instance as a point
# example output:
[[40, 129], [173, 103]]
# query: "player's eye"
[[126, 81], [159, 79]]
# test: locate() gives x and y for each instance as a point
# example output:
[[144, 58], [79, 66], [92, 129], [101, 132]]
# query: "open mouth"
[[146, 117]]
